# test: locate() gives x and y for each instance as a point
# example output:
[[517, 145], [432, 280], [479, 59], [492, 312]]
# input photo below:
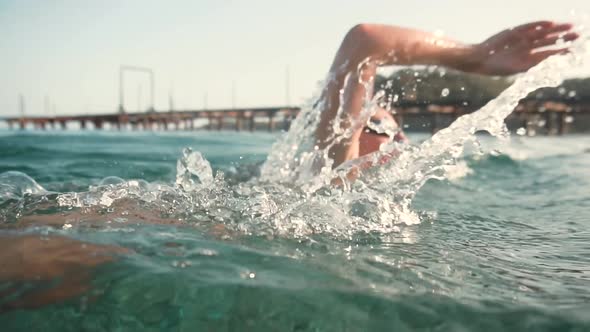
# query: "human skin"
[[368, 46], [60, 268], [45, 260]]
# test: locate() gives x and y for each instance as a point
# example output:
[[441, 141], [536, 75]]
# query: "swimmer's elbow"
[[361, 32], [361, 29]]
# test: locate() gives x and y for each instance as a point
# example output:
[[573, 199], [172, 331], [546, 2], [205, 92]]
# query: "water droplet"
[[181, 264], [571, 94], [207, 252], [521, 131], [445, 92], [568, 119]]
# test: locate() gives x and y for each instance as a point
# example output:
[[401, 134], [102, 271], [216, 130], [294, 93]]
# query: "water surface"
[[503, 245]]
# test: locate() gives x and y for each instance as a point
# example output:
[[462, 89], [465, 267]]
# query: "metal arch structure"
[[122, 70]]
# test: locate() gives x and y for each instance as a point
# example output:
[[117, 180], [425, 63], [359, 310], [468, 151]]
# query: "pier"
[[552, 117], [216, 119]]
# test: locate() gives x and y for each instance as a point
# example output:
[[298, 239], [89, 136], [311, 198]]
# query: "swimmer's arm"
[[367, 46], [508, 52], [60, 266], [364, 48]]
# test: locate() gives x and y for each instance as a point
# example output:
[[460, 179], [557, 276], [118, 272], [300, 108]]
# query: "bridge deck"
[[555, 111]]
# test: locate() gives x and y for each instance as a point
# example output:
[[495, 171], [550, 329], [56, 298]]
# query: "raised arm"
[[367, 46]]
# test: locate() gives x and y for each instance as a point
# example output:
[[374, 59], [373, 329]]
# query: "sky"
[[210, 53]]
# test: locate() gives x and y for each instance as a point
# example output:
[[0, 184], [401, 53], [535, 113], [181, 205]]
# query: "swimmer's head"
[[374, 134]]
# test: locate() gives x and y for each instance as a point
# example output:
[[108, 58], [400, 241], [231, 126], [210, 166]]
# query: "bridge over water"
[[556, 117], [241, 119]]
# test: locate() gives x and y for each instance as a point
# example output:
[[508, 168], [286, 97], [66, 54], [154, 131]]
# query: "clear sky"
[[70, 50]]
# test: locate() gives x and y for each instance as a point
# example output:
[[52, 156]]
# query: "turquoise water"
[[504, 245]]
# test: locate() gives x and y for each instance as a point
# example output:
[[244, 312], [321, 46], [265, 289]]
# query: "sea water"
[[503, 245], [244, 232]]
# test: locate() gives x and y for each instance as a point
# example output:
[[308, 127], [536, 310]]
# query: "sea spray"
[[294, 195], [415, 166], [192, 171]]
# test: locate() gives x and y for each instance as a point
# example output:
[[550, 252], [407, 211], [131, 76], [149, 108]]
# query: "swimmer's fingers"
[[537, 57], [554, 39], [533, 25], [541, 31]]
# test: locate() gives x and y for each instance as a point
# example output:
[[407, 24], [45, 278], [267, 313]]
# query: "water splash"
[[387, 191], [293, 195], [15, 185], [193, 171]]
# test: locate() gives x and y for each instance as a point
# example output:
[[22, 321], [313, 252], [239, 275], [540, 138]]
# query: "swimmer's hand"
[[518, 49]]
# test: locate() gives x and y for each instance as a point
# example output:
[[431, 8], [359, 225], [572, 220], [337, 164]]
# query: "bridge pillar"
[[219, 122], [271, 122], [62, 125], [286, 121], [562, 123], [97, 124], [434, 124], [251, 122], [238, 122], [210, 124]]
